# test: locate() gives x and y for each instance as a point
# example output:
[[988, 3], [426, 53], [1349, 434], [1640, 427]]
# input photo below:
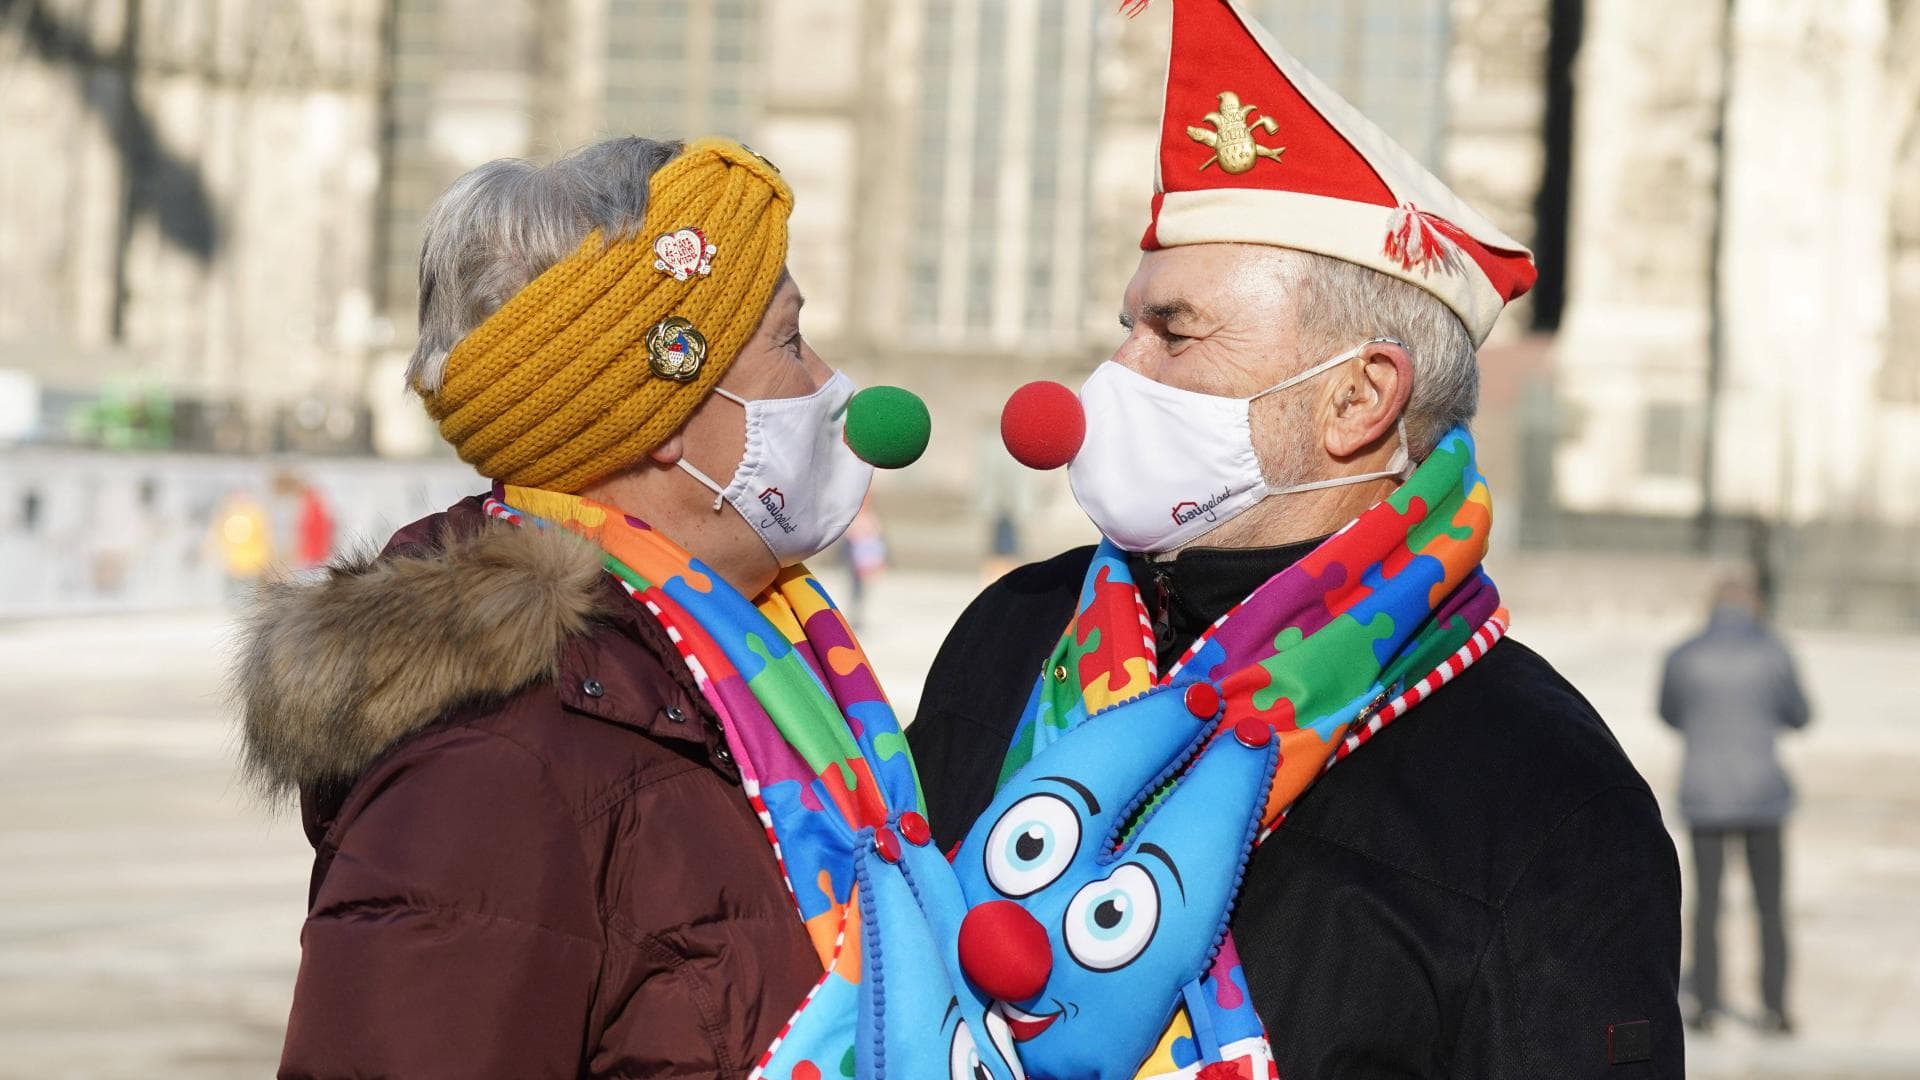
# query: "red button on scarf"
[[1203, 701], [915, 828], [887, 844]]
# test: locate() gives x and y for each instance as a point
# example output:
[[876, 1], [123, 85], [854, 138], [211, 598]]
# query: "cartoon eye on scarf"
[[965, 1060], [1032, 843], [1108, 922], [1101, 877]]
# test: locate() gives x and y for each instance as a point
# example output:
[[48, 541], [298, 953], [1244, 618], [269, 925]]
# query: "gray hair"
[[1340, 304], [503, 224]]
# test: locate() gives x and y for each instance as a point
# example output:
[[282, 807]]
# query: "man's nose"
[[1132, 353], [1004, 951]]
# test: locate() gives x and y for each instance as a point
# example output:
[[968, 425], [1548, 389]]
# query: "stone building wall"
[[1804, 254], [1496, 103], [233, 205], [186, 197], [1787, 230], [1900, 376], [1631, 356]]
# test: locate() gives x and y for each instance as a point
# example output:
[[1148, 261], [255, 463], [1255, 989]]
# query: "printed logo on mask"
[[1190, 510], [776, 504]]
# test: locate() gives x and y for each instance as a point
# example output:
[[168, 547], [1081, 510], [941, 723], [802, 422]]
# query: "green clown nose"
[[888, 427]]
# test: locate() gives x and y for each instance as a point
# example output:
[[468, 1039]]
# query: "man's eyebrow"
[[1169, 310], [1160, 853], [1093, 804], [952, 1004]]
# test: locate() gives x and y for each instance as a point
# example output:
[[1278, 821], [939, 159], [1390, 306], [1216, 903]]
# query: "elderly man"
[[535, 855], [1277, 457]]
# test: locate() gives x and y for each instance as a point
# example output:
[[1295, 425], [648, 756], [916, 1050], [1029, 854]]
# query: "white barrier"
[[94, 531]]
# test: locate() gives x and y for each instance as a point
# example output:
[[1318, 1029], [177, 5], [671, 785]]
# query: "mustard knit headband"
[[560, 387]]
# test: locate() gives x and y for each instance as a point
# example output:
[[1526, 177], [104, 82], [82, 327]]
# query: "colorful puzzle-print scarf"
[[1327, 652], [826, 767], [819, 750]]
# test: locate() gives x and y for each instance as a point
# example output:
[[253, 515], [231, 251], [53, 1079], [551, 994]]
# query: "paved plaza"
[[150, 907]]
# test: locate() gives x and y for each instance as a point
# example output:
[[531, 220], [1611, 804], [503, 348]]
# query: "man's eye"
[[793, 345]]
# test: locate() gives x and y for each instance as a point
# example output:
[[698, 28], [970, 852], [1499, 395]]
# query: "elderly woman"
[[510, 731]]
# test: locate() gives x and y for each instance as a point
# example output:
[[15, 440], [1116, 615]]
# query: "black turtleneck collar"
[[1187, 593]]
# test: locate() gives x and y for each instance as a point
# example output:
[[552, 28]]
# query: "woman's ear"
[[668, 453]]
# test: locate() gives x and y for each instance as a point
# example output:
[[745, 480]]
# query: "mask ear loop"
[[719, 493], [1327, 365], [1405, 453]]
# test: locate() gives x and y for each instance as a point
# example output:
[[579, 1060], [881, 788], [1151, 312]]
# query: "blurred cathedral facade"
[[221, 199]]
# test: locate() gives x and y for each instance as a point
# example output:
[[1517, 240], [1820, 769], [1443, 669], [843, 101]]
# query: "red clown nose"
[[1004, 951], [1043, 425]]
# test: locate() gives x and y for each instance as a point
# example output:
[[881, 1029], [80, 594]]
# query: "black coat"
[[1485, 890]]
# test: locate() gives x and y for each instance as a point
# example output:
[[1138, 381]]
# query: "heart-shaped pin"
[[683, 253]]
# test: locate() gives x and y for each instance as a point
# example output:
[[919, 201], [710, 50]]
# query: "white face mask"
[[798, 485], [1162, 466]]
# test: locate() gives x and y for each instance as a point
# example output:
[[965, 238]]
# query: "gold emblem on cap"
[[1232, 138], [675, 350]]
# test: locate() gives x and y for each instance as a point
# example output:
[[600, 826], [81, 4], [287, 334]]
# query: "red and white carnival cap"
[[1255, 150]]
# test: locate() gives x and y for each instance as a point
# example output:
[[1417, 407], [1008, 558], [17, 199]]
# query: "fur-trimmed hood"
[[333, 671]]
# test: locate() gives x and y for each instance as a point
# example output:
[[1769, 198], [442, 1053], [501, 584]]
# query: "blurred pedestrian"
[[1729, 690], [865, 550], [1003, 499], [244, 540], [313, 529]]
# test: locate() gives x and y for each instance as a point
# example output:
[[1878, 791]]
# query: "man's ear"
[[668, 453], [1370, 396]]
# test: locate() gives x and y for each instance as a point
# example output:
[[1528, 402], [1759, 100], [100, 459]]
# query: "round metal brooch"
[[675, 350]]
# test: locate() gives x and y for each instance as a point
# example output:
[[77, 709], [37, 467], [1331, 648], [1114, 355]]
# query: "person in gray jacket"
[[1729, 690]]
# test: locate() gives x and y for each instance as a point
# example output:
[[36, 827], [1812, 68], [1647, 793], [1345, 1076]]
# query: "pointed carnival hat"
[[1255, 150]]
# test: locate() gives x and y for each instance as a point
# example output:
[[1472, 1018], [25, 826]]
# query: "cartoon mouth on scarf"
[[965, 1059], [1025, 1025], [1100, 879]]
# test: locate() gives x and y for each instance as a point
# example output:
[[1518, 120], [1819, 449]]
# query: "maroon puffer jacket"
[[533, 856]]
